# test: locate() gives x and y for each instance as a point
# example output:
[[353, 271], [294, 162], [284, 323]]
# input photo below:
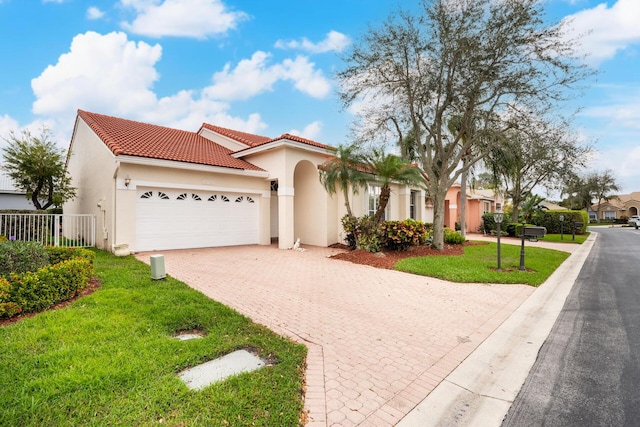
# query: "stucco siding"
[[92, 167]]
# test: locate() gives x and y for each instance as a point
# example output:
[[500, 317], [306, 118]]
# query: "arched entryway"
[[633, 210]]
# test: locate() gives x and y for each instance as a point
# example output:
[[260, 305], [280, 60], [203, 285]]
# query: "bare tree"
[[535, 153], [484, 61]]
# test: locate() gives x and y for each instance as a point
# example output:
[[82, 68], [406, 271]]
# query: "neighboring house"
[[10, 197], [552, 206], [479, 201], [157, 188], [622, 205]]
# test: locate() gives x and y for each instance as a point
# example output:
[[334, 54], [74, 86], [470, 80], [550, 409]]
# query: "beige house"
[[157, 188], [623, 205]]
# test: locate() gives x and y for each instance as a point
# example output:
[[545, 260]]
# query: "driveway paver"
[[379, 340]]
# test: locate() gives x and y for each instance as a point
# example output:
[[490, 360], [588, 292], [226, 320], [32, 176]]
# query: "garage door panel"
[[190, 219]]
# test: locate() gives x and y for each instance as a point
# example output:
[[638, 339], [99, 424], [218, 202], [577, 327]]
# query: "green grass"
[[566, 238], [110, 359], [479, 264]]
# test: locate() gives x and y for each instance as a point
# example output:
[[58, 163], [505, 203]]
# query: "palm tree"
[[344, 171], [531, 206], [389, 168]]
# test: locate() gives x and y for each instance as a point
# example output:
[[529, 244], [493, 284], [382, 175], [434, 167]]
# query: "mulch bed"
[[388, 259]]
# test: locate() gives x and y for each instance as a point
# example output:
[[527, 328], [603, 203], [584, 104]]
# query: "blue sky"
[[265, 67]]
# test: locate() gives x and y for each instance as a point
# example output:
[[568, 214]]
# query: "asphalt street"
[[588, 371]]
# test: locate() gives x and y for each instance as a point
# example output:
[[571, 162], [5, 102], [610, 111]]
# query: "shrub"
[[364, 232], [7, 307], [37, 290], [399, 235], [59, 254], [488, 223], [453, 237], [551, 221], [20, 257]]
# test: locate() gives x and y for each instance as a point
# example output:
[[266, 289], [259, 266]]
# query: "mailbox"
[[533, 233]]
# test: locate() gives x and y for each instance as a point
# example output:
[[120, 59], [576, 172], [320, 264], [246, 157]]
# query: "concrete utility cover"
[[187, 337], [201, 376]]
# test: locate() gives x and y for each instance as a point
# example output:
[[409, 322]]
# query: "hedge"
[[400, 235], [36, 291]]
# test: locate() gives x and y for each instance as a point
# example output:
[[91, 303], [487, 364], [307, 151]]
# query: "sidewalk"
[[480, 391]]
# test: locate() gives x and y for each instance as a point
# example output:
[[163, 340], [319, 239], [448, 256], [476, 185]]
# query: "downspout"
[[115, 210]]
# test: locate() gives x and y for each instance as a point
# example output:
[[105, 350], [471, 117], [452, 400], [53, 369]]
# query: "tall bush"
[[20, 257]]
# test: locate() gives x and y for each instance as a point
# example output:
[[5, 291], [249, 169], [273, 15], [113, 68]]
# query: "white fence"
[[54, 230]]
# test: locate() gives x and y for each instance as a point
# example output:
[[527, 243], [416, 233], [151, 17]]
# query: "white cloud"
[[604, 31], [102, 72], [249, 78], [94, 13], [333, 42], [111, 75], [181, 18], [306, 78], [254, 76], [624, 162], [311, 131], [7, 124]]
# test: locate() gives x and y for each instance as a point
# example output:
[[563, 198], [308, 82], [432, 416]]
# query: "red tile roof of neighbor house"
[[257, 140], [127, 137], [243, 137]]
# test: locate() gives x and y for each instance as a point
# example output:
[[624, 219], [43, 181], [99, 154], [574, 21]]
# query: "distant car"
[[634, 220]]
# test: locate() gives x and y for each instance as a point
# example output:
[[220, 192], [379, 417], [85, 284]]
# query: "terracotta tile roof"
[[290, 138], [243, 137], [299, 139], [127, 137]]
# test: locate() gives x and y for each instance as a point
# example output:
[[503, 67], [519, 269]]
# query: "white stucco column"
[[265, 219], [286, 217]]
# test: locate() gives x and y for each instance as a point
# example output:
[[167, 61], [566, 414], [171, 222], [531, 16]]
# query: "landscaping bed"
[[388, 259]]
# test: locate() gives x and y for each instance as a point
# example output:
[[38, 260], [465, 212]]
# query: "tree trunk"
[[438, 219], [385, 193], [463, 203], [347, 205]]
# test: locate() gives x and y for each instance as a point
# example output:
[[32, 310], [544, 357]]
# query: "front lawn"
[[565, 238], [479, 263], [110, 358]]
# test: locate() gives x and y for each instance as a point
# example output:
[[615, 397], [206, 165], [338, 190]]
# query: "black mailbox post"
[[532, 233], [576, 226]]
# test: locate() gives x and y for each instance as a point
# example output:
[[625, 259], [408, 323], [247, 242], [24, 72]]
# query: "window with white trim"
[[373, 195], [609, 215]]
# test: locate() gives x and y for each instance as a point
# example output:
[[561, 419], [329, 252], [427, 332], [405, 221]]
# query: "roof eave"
[[146, 161], [280, 143]]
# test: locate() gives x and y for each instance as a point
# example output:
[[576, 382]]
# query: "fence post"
[[56, 230]]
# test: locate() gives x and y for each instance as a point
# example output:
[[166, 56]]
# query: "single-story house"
[[622, 205], [11, 198], [479, 201], [157, 188]]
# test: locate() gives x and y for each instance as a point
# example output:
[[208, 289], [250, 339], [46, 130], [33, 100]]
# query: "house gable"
[[130, 138], [232, 139]]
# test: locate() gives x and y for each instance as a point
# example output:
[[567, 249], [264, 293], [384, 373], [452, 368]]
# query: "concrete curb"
[[481, 389]]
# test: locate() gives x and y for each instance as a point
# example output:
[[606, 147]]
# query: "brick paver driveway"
[[379, 340]]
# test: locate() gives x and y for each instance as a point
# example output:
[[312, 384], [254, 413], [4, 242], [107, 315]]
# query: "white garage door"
[[170, 219]]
